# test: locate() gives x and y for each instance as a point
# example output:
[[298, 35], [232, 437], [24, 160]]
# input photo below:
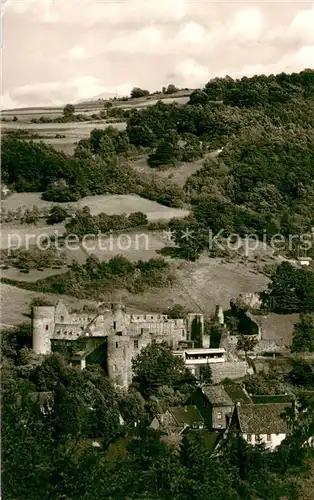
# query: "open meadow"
[[107, 203]]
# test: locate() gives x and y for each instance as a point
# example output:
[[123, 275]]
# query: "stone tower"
[[119, 359], [43, 328]]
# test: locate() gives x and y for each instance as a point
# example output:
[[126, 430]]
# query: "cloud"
[[92, 12], [247, 24], [190, 33], [193, 72], [146, 40], [59, 92], [77, 52], [183, 41]]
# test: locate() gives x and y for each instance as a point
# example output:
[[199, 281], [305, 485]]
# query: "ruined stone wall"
[[229, 369]]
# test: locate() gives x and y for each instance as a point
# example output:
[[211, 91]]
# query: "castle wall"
[[229, 369], [127, 333]]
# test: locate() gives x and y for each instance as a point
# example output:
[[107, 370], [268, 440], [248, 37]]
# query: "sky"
[[63, 51]]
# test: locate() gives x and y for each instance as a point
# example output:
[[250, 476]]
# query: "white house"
[[261, 423]]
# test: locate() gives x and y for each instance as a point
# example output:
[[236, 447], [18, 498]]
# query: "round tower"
[[43, 328], [119, 360]]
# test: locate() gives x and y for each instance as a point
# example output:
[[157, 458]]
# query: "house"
[[216, 403], [177, 419], [261, 423]]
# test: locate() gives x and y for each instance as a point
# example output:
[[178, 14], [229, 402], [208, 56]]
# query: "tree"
[[156, 366], [176, 311], [31, 216], [291, 289], [165, 154], [197, 332], [303, 334], [171, 89], [68, 111], [56, 215], [206, 376], [137, 92], [246, 343]]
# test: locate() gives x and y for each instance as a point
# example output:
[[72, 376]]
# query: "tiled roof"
[[186, 414], [237, 394], [262, 418], [217, 395]]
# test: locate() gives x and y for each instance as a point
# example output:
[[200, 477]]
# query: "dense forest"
[[47, 447], [262, 181]]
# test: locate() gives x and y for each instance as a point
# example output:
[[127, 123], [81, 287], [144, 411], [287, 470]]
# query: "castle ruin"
[[125, 334]]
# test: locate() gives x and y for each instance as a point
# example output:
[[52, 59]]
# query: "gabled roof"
[[217, 395], [262, 418], [186, 415], [237, 394]]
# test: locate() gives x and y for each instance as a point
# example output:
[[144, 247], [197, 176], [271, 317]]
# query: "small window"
[[268, 437], [142, 331], [47, 327], [249, 438], [62, 319], [135, 344], [183, 333], [219, 415], [117, 345], [152, 317]]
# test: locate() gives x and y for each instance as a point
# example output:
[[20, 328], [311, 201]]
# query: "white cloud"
[[191, 33], [146, 40], [77, 52], [192, 71], [248, 24], [60, 92], [90, 12]]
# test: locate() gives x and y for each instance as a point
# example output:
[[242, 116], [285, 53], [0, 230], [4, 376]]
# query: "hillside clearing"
[[199, 286], [107, 203]]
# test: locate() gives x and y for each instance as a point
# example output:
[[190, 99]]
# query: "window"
[[268, 437], [219, 415], [114, 325], [135, 344], [249, 438], [62, 319], [117, 345], [183, 333], [47, 327]]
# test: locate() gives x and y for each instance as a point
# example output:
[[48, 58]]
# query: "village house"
[[216, 403], [177, 419], [261, 423]]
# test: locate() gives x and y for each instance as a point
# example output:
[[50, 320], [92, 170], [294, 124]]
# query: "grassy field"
[[199, 287], [72, 132], [15, 304], [94, 106], [110, 204], [177, 175]]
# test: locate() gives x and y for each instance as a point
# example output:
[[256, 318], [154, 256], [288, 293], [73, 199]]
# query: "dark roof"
[[217, 395], [269, 398], [263, 418], [186, 414], [237, 394]]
